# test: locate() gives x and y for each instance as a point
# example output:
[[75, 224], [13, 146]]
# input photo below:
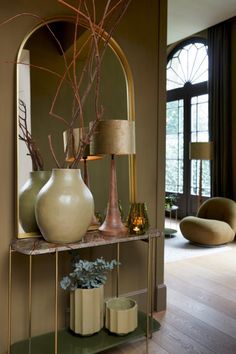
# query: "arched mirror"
[[39, 60]]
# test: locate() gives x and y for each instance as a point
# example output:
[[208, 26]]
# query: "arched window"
[[189, 64], [187, 121]]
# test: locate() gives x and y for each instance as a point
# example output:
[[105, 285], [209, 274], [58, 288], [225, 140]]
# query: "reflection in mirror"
[[37, 87]]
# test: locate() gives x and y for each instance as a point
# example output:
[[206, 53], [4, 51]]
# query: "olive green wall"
[[142, 36], [112, 97], [233, 68]]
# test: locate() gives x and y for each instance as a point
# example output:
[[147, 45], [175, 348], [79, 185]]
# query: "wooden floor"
[[201, 313]]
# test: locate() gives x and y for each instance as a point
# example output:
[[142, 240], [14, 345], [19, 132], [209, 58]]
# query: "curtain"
[[220, 116]]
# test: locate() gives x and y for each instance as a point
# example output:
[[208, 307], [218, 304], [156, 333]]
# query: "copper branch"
[[25, 135]]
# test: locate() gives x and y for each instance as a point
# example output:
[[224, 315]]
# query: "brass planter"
[[86, 310], [121, 315]]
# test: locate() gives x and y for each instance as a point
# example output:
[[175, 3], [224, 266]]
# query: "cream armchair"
[[215, 223]]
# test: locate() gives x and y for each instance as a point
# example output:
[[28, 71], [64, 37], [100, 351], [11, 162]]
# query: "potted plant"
[[170, 200], [86, 286]]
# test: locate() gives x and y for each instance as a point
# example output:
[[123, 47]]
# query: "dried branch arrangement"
[[100, 29], [25, 135]]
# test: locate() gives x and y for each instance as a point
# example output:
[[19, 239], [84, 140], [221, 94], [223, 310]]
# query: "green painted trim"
[[69, 343]]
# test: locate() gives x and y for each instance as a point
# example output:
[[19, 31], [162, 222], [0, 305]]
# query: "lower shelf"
[[69, 343]]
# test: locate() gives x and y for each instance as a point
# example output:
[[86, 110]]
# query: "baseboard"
[[160, 298]]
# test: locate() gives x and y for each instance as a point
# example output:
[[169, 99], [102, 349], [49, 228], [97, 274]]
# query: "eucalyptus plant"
[[87, 275]]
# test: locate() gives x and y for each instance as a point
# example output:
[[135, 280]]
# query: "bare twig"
[[52, 151], [25, 135]]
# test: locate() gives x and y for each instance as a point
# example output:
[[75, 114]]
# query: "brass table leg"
[[151, 285], [56, 303], [9, 299], [149, 312], [118, 269], [30, 304]]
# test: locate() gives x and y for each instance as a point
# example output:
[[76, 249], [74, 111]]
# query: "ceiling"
[[186, 17]]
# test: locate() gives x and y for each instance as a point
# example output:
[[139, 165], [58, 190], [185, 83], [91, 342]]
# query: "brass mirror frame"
[[130, 112]]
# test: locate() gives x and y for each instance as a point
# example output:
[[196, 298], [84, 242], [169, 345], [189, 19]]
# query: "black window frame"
[[188, 205]]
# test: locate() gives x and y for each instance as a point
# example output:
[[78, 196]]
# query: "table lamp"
[[74, 141], [113, 137], [200, 151]]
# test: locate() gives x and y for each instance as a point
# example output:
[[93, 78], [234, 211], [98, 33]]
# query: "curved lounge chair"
[[215, 223]]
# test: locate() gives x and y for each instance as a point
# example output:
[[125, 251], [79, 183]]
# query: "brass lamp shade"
[[74, 141], [201, 150], [114, 137]]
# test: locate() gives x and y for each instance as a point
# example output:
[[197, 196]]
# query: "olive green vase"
[[27, 198], [64, 207]]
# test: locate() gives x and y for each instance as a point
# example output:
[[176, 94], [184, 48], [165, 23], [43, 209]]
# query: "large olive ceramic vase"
[[86, 310], [27, 198], [64, 207]]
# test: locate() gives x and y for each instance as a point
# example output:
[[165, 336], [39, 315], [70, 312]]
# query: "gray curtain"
[[220, 116]]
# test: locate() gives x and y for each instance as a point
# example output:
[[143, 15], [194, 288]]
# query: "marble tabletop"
[[37, 245]]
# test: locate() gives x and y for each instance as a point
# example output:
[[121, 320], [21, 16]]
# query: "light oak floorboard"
[[199, 331], [205, 296], [188, 273], [205, 313], [217, 274]]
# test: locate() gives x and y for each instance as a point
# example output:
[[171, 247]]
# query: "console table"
[[62, 341]]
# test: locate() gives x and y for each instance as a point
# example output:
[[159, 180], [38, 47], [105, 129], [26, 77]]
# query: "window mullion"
[[187, 138]]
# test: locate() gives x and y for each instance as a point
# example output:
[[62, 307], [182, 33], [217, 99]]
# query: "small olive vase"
[[86, 310], [27, 198], [64, 207]]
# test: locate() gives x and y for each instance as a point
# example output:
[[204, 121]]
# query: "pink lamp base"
[[113, 227]]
